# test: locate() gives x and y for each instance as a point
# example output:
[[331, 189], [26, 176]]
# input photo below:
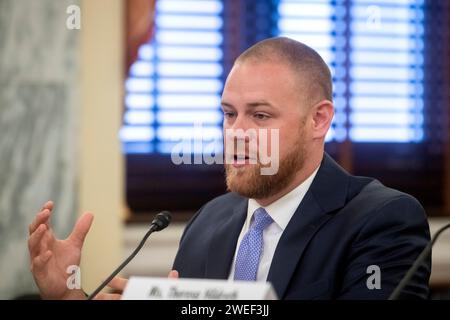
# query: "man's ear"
[[322, 115]]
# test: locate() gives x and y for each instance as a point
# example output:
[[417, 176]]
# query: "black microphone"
[[160, 222], [417, 264]]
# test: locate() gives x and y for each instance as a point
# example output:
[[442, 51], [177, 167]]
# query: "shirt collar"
[[282, 210]]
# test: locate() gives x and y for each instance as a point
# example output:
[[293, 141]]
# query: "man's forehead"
[[258, 66], [256, 87], [253, 97], [255, 77]]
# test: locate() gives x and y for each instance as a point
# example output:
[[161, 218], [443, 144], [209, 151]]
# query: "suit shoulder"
[[378, 195], [377, 202], [393, 213]]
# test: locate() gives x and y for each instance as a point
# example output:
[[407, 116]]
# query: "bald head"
[[306, 64]]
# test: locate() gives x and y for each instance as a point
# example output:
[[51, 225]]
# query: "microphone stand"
[[161, 221]]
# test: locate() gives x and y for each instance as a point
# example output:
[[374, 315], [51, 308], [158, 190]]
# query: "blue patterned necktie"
[[250, 249]]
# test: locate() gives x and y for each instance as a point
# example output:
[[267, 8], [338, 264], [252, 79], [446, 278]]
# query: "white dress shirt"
[[281, 212]]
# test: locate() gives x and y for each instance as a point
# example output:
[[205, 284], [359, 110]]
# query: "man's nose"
[[241, 123], [240, 131]]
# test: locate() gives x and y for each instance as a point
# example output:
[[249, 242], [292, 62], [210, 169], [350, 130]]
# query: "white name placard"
[[143, 288]]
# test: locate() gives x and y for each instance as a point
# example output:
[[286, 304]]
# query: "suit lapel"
[[224, 241], [308, 218], [327, 193]]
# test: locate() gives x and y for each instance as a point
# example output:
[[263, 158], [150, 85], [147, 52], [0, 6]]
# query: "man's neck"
[[309, 167]]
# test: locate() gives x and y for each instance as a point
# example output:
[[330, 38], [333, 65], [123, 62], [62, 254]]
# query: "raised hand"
[[50, 258]]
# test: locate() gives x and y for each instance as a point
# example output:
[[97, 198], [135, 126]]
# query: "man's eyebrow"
[[250, 104], [226, 104]]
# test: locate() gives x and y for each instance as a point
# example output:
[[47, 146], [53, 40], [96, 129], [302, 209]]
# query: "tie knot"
[[262, 219]]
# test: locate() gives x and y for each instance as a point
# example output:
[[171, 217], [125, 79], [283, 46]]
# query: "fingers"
[[41, 218], [108, 296], [173, 274], [118, 283], [39, 262], [48, 205], [81, 229], [34, 242], [47, 240]]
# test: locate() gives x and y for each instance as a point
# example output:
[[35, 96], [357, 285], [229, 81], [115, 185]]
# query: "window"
[[388, 67], [386, 60]]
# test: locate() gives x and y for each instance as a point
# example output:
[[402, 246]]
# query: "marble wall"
[[39, 60]]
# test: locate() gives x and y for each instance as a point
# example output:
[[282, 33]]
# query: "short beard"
[[249, 182]]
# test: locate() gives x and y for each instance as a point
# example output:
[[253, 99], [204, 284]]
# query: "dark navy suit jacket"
[[343, 225]]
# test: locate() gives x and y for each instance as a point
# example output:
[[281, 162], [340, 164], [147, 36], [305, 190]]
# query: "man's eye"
[[228, 114], [261, 116]]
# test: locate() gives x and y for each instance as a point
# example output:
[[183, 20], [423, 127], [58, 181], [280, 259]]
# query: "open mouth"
[[240, 158]]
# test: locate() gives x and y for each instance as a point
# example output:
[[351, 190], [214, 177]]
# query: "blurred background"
[[95, 94]]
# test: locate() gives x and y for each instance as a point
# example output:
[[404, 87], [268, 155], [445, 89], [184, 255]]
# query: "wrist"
[[76, 294]]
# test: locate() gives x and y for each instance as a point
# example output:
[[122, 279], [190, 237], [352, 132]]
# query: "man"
[[311, 229]]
